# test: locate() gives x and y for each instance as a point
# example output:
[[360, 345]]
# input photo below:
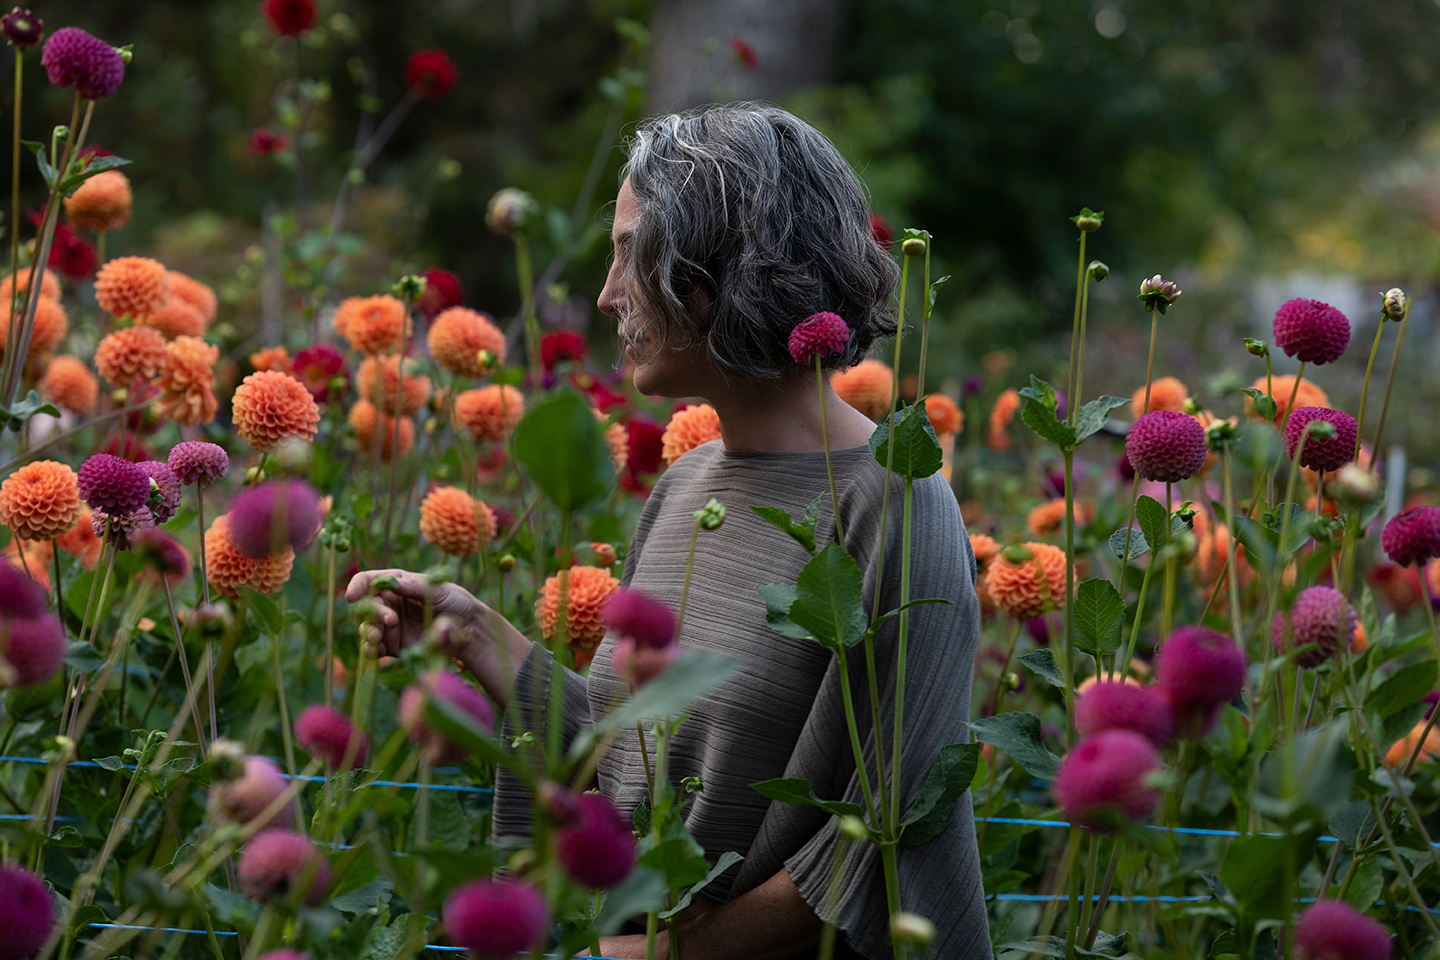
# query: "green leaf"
[[1352, 823], [1265, 405], [1042, 662], [727, 860], [1259, 542], [82, 657], [644, 890], [16, 417], [1297, 528], [362, 505], [779, 597], [562, 447], [1039, 414], [1099, 614], [917, 452], [694, 674], [82, 171], [798, 790], [1405, 687], [1153, 518], [1018, 734], [948, 779], [265, 608], [678, 859], [1138, 545], [803, 532], [829, 598], [1092, 416], [1254, 872], [935, 286], [922, 602]]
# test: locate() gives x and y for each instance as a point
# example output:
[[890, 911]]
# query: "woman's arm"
[[770, 922], [489, 646]]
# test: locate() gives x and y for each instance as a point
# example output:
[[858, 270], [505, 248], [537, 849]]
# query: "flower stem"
[[897, 731], [1150, 365], [825, 438], [924, 326], [15, 203], [1069, 453], [1365, 390], [190, 696], [1074, 374], [1389, 383], [330, 625], [853, 727], [526, 275]]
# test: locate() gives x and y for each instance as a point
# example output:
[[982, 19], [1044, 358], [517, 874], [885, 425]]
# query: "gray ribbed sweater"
[[782, 714]]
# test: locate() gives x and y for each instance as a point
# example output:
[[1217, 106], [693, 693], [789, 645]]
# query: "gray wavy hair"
[[750, 222]]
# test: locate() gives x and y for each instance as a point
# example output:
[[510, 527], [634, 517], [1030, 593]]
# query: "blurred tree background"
[[1231, 145]]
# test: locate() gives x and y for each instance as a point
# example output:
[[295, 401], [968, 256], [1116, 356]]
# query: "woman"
[[732, 224]]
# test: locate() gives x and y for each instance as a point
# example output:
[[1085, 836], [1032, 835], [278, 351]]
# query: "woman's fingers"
[[403, 582]]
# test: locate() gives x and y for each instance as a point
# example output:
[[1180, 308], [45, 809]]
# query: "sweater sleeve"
[[941, 879]]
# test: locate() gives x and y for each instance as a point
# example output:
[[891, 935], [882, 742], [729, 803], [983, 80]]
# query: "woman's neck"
[[784, 415]]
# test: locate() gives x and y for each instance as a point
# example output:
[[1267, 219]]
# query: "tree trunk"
[[713, 51]]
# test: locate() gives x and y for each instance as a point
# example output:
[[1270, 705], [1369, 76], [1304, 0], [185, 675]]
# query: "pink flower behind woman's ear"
[[819, 334]]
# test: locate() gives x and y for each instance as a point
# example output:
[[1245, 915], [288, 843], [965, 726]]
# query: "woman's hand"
[[477, 636]]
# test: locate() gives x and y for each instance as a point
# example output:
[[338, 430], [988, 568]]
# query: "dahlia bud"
[[22, 28], [409, 288], [228, 759], [913, 247], [1017, 554], [62, 750], [1192, 406], [1220, 435], [254, 475], [1088, 220], [506, 563], [1397, 304], [213, 620], [1098, 271], [711, 515], [485, 359], [1157, 293], [509, 211], [1257, 348], [912, 929], [1012, 681], [1357, 485], [852, 828], [1320, 430]]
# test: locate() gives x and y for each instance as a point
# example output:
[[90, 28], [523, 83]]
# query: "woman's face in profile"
[[659, 371]]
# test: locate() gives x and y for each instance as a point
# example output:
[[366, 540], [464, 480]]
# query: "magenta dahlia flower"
[[1199, 671], [327, 733], [1334, 930], [446, 686], [74, 58], [1104, 779], [163, 553], [1311, 331], [22, 28], [280, 865], [1321, 616], [496, 918], [113, 484], [1412, 536], [818, 335], [278, 514], [1122, 706], [33, 648], [317, 365], [1166, 446], [598, 848], [634, 613], [247, 797], [28, 911], [195, 461], [430, 74], [169, 485], [1321, 453], [20, 597]]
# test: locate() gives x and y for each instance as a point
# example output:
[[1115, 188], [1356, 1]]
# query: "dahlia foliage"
[[1203, 706]]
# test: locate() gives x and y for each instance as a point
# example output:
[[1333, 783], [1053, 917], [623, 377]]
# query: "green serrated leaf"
[[803, 532], [779, 598], [1153, 518], [562, 447], [948, 779], [1018, 734], [1093, 415], [917, 451], [1405, 687], [1099, 614], [798, 790], [1042, 662], [1039, 412], [828, 598], [1138, 545]]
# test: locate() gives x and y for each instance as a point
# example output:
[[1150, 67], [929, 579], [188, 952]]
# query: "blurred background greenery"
[[1252, 151]]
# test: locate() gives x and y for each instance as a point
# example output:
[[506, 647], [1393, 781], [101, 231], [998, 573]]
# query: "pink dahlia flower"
[[327, 733], [113, 484], [1321, 453], [1103, 779], [74, 58], [497, 918], [246, 798], [28, 911], [1121, 706], [195, 461], [1412, 536], [273, 516], [1199, 672], [1321, 616], [33, 647], [634, 613], [279, 865], [598, 848], [1311, 331], [818, 335], [446, 686], [169, 484], [1334, 930], [1166, 446]]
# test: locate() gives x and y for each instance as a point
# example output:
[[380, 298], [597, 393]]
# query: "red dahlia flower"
[[442, 291], [430, 75], [265, 142], [290, 18]]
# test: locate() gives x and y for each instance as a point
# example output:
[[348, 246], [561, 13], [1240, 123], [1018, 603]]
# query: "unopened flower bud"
[[62, 750], [506, 563], [1192, 406], [213, 620], [1220, 435], [228, 758], [293, 456], [485, 359], [1012, 681], [1320, 430], [852, 828], [1017, 554], [252, 475], [22, 28], [1157, 293], [1357, 485], [1087, 220], [1257, 348], [711, 515], [1396, 304], [509, 211], [913, 929], [1098, 271], [913, 247], [409, 288]]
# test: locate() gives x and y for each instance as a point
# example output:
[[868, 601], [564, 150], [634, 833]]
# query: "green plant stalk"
[[652, 919], [1069, 454], [330, 625], [896, 751], [832, 898], [1365, 389], [422, 835], [1079, 391], [1150, 364], [853, 727], [926, 307], [1167, 601], [1139, 616], [559, 654], [1389, 383], [825, 439], [1104, 895], [1088, 900], [1230, 559], [1004, 669], [526, 275], [1278, 578], [191, 697], [15, 201], [399, 415], [892, 882], [1125, 553], [1072, 378], [1072, 914], [1399, 865]]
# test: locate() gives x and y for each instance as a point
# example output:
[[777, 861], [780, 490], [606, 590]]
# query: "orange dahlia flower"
[[1166, 393], [458, 335], [1399, 752], [132, 287], [491, 412], [32, 558], [1029, 582], [186, 380], [688, 429], [1048, 519], [457, 523], [101, 203], [985, 549], [70, 383], [412, 390], [868, 387], [945, 414], [178, 318], [49, 285], [1001, 416], [130, 354], [81, 540], [273, 358], [49, 329], [1309, 395], [226, 565], [270, 406], [373, 325], [363, 422], [196, 294], [40, 501], [586, 590], [272, 573], [617, 438]]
